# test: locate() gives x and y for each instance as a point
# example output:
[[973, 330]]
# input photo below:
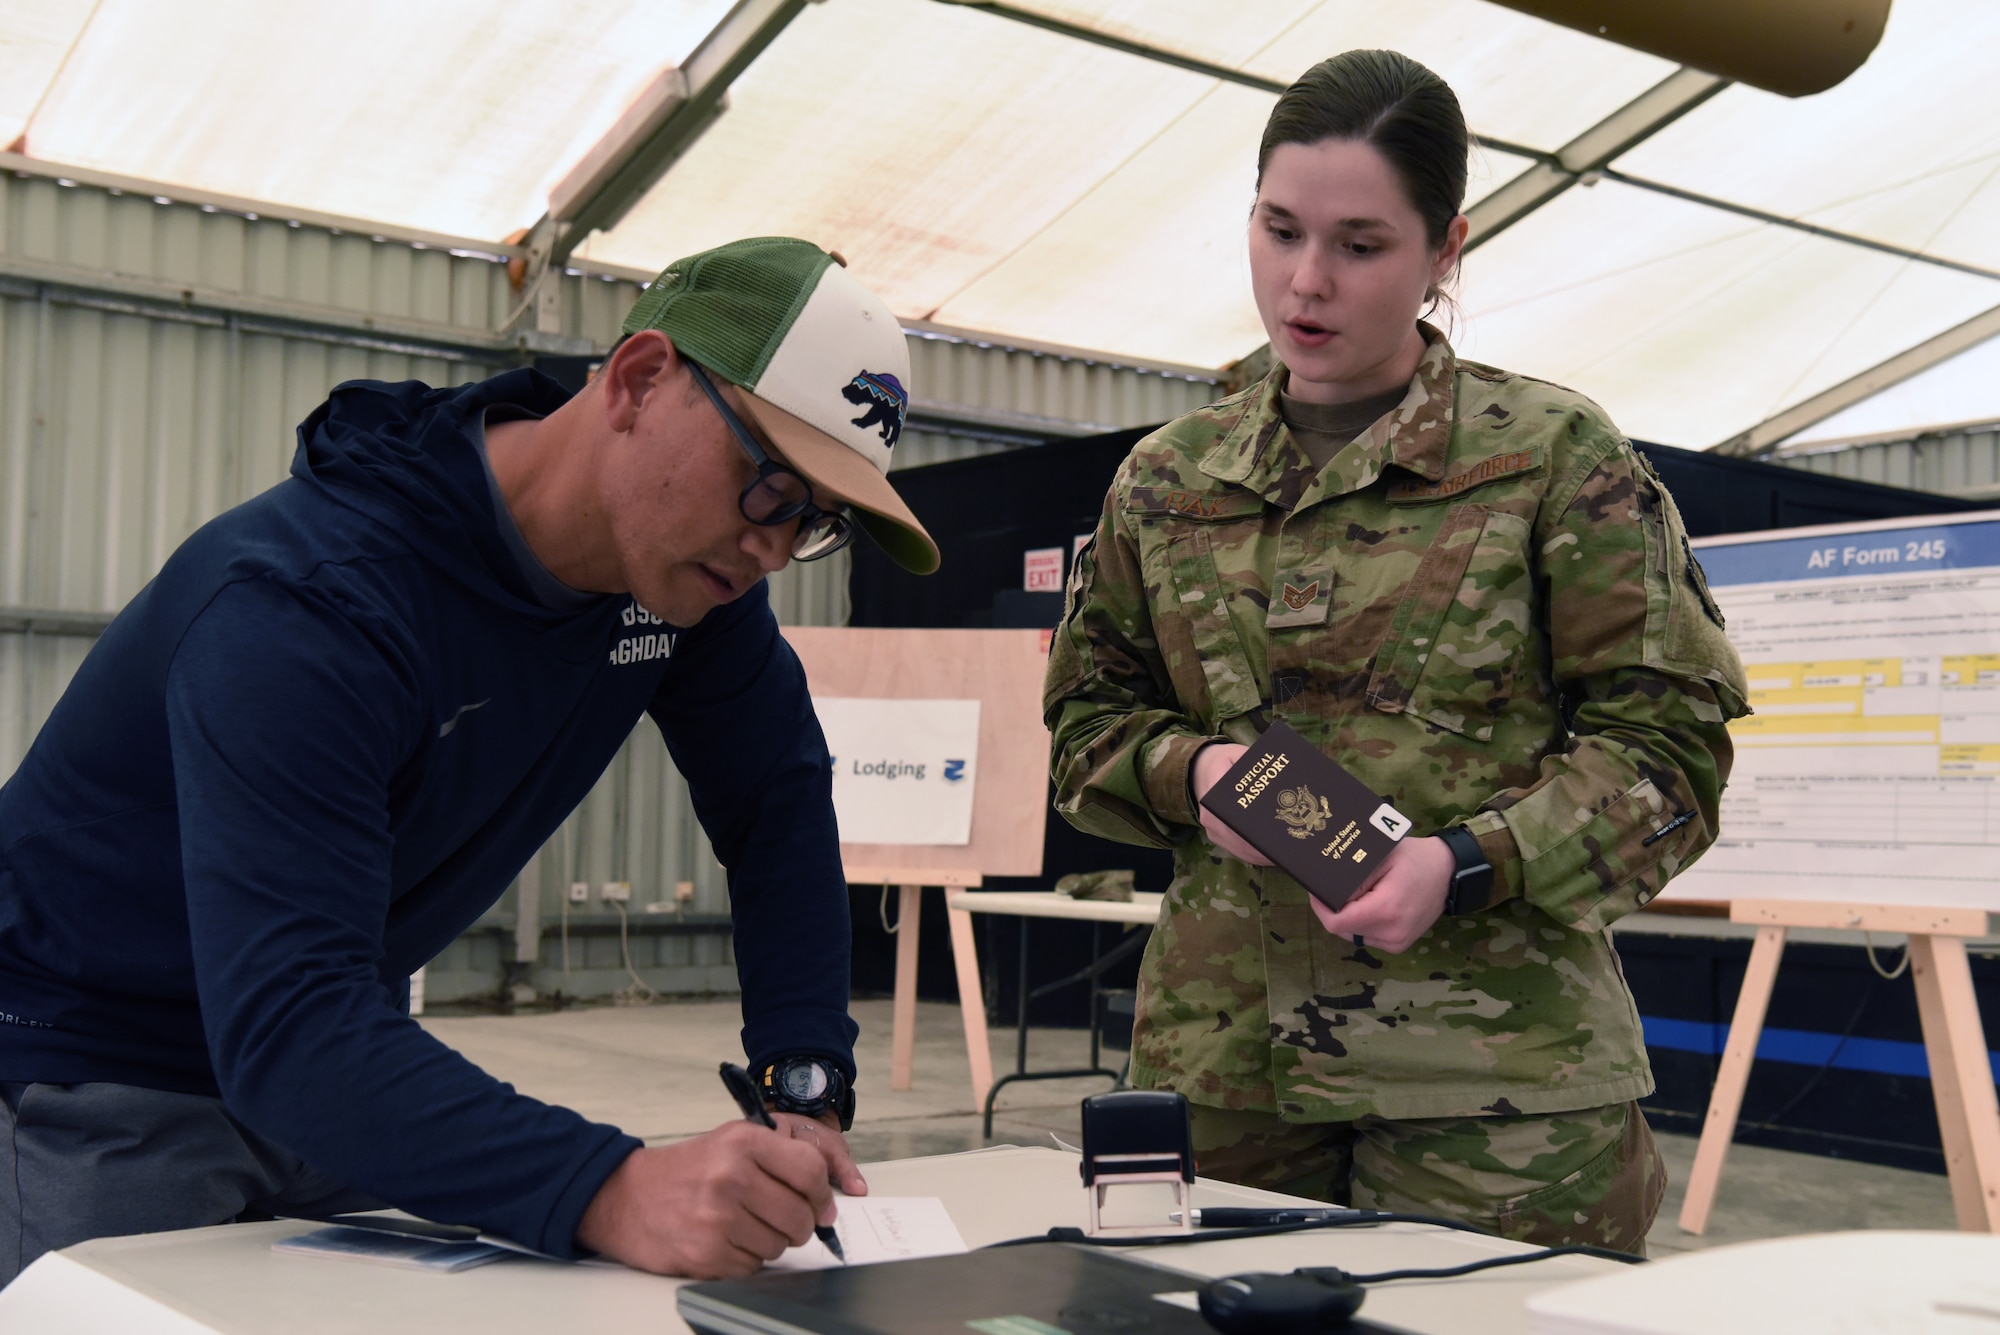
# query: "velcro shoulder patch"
[[1189, 504], [1490, 469]]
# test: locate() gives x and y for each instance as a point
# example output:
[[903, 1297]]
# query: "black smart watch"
[[1472, 882], [808, 1086]]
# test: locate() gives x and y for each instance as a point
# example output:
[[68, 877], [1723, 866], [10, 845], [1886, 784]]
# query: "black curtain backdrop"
[[985, 512]]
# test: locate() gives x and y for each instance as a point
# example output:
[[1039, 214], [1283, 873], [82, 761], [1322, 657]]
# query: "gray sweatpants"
[[100, 1160]]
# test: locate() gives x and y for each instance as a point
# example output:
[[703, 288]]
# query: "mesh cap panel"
[[729, 308]]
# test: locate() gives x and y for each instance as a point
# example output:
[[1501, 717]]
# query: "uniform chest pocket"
[[1464, 637], [1213, 670]]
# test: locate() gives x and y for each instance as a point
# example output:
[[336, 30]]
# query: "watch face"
[[802, 1080]]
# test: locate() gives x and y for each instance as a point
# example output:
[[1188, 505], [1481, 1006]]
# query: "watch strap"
[[1472, 879]]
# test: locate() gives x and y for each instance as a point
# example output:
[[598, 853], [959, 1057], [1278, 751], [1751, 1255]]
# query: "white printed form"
[[1870, 768], [881, 1228]]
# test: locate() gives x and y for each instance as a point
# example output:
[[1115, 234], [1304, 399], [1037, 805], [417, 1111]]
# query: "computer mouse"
[[1277, 1304]]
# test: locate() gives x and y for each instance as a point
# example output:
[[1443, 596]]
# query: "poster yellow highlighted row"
[[1835, 730]]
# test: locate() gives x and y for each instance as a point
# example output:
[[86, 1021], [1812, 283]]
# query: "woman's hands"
[[1392, 909], [1402, 901], [1210, 764]]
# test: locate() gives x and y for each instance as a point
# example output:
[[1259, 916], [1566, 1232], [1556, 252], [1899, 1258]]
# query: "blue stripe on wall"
[[1803, 1047]]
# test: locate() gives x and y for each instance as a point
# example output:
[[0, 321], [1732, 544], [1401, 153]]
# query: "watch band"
[[1472, 881]]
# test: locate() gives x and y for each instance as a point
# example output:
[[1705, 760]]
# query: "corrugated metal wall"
[[1961, 460], [155, 358], [1036, 393]]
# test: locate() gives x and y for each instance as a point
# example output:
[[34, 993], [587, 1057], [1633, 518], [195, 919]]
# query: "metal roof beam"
[[1799, 225], [1764, 438], [666, 120], [1161, 55], [1111, 41], [1624, 129]]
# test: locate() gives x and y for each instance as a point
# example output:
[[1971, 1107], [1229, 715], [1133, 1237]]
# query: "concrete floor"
[[651, 1070]]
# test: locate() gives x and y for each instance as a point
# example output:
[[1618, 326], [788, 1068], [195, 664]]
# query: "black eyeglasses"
[[778, 495]]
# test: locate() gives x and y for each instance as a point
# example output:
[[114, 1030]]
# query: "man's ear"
[[642, 366]]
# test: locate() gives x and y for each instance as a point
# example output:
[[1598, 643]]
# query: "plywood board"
[[1000, 668]]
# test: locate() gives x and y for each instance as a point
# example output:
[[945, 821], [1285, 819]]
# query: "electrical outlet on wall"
[[617, 892], [579, 892]]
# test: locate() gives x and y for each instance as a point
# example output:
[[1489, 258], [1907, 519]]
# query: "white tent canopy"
[[1753, 254]]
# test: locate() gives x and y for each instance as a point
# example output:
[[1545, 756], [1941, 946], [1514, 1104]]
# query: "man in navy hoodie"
[[321, 742]]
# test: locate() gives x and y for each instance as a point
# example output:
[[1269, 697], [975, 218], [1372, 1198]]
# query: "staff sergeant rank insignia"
[[1305, 603]]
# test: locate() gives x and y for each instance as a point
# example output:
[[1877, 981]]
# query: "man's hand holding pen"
[[721, 1204], [823, 1134]]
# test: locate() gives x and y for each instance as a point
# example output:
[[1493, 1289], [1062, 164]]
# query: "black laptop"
[[1043, 1289]]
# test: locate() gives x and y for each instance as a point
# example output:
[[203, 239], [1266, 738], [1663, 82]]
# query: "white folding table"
[[228, 1281]]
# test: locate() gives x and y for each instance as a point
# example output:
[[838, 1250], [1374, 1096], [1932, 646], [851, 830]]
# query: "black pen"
[[1236, 1217], [744, 1090]]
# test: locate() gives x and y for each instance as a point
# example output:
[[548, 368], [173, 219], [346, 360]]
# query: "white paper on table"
[[881, 1228]]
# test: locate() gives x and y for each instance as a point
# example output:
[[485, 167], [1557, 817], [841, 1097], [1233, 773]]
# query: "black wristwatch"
[[1472, 883], [809, 1086]]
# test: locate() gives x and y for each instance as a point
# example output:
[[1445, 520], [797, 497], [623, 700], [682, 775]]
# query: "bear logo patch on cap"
[[885, 399]]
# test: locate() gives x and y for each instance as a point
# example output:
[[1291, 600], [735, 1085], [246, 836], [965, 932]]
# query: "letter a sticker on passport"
[[1390, 822]]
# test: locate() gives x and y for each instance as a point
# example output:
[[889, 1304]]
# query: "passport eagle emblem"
[[1305, 814]]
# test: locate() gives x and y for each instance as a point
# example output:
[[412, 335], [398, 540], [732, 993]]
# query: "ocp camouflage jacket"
[[1487, 609]]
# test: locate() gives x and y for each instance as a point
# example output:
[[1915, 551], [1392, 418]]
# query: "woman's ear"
[[1450, 253]]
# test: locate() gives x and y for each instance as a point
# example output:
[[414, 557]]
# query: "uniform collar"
[[1260, 453]]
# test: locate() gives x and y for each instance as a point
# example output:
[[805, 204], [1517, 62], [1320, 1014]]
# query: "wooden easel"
[[1961, 1073], [964, 954], [1002, 669]]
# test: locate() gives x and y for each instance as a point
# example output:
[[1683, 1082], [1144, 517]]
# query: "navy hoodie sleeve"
[[736, 717], [288, 716]]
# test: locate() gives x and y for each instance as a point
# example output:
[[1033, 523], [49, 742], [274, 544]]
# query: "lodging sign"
[[903, 770], [1870, 767]]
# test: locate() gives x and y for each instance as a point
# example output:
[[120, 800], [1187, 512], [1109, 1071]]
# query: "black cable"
[[1333, 1275], [1354, 1219], [1812, 1082]]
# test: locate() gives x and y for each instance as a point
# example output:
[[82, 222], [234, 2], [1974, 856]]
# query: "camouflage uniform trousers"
[[1592, 1176]]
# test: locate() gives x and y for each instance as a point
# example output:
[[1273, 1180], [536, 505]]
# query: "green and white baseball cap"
[[821, 359]]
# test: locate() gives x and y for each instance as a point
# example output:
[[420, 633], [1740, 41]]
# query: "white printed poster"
[[903, 770], [1870, 769]]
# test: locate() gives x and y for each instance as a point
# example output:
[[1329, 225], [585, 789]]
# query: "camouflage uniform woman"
[[1465, 586]]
